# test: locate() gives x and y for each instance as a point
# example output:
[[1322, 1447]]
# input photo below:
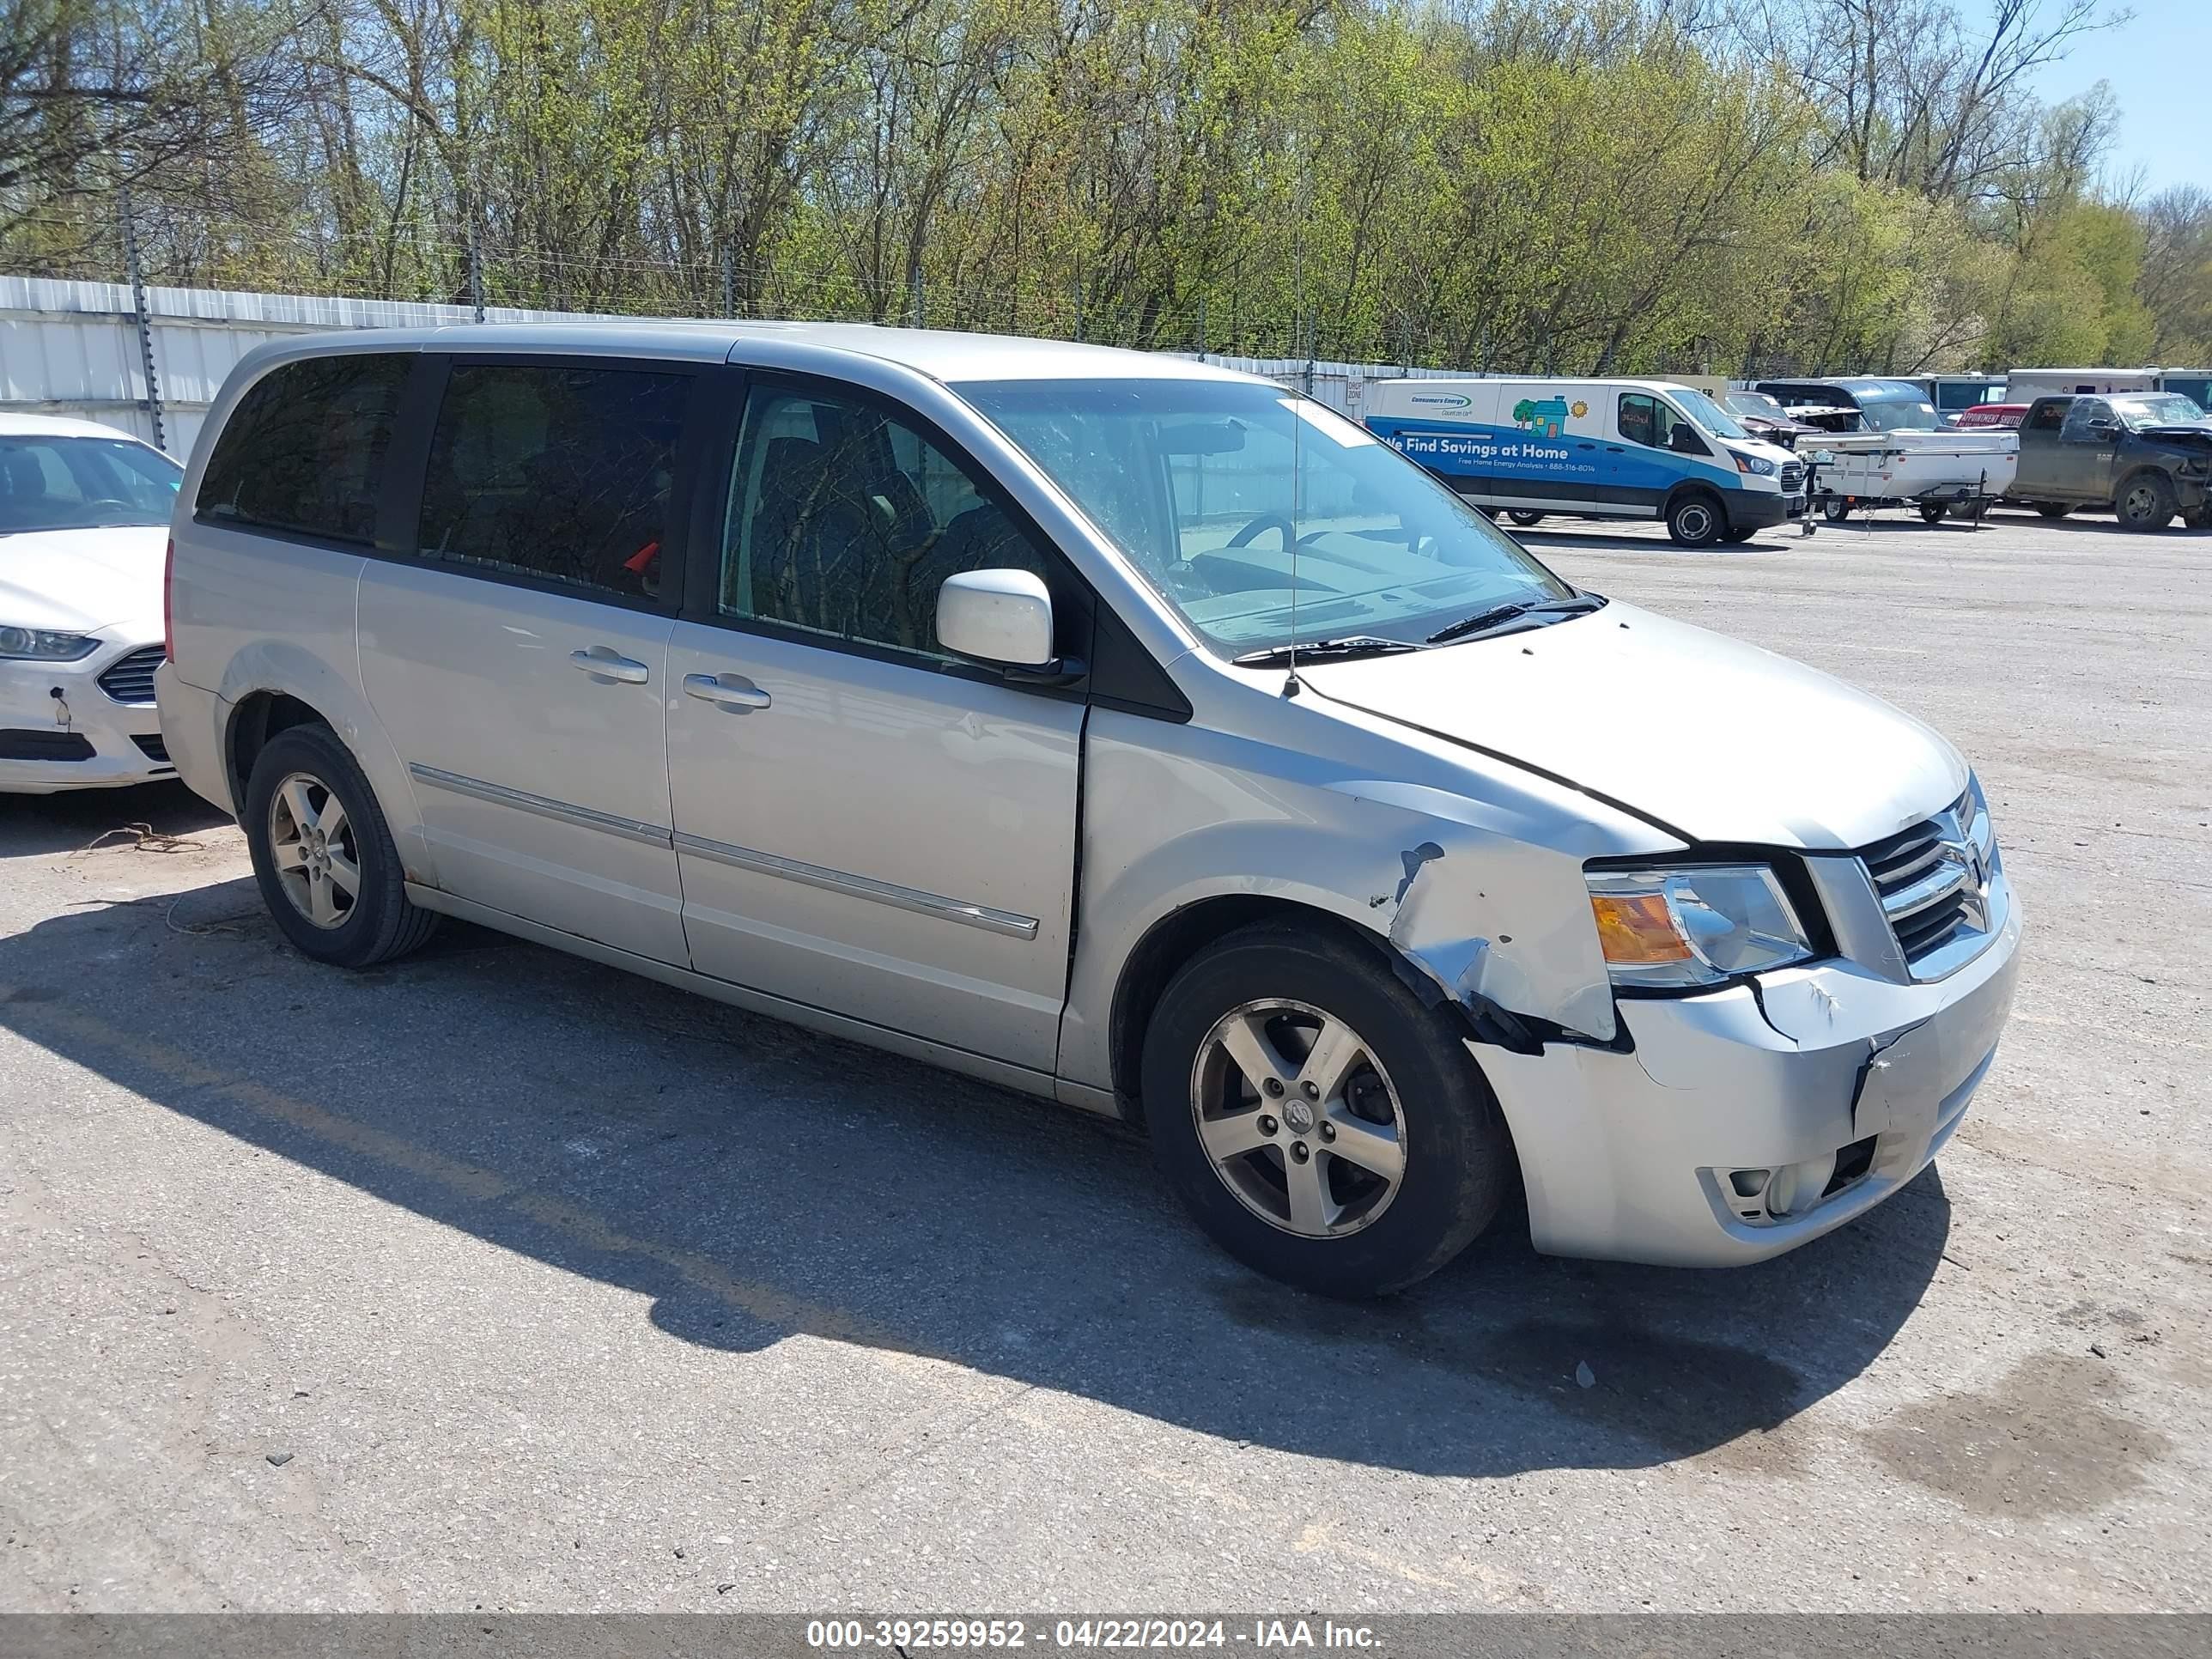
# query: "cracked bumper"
[[1629, 1155]]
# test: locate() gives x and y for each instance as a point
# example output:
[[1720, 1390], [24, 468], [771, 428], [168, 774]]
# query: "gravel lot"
[[497, 1279]]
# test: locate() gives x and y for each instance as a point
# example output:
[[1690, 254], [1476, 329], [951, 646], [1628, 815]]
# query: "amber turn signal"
[[1636, 928]]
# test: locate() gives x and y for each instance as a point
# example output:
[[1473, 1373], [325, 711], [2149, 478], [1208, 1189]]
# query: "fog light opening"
[[1749, 1183], [1798, 1186]]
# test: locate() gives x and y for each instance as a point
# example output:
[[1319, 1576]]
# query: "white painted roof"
[[56, 426]]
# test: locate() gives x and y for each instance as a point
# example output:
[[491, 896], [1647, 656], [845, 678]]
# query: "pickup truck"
[[2146, 455]]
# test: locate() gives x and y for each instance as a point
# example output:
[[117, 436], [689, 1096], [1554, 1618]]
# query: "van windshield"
[[1708, 414], [1229, 495], [1899, 414]]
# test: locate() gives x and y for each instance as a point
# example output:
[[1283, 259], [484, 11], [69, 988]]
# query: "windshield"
[[1756, 403], [1216, 489], [2163, 409], [82, 483], [1707, 413], [1899, 414]]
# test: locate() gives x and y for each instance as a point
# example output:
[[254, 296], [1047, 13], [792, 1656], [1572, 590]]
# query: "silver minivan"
[[1109, 727]]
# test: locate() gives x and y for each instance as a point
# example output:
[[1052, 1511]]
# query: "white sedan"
[[84, 515]]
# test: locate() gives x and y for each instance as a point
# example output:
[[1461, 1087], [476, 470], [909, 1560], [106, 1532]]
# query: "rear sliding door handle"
[[604, 662], [743, 696]]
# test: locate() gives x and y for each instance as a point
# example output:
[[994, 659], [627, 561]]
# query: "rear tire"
[[323, 856], [1933, 512], [2145, 501], [1293, 1184], [2052, 509], [1835, 509], [1694, 519], [1526, 520]]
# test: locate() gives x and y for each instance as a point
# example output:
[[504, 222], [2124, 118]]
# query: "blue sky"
[[2160, 67]]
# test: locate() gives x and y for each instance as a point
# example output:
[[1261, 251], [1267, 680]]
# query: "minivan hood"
[[1713, 738], [76, 580]]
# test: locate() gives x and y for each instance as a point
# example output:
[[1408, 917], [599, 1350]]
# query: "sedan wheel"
[[312, 846], [1298, 1118]]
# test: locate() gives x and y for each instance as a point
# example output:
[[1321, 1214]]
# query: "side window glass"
[[1676, 432], [2083, 411], [1639, 418], [845, 521], [561, 473], [2046, 417], [304, 449]]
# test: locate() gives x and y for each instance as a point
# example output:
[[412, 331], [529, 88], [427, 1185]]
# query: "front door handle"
[[743, 696], [604, 662]]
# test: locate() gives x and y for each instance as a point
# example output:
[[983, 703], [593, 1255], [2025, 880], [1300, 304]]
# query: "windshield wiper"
[[1499, 615], [1351, 645]]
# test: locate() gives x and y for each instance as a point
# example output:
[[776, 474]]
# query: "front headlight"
[[1693, 925], [1757, 464], [39, 645]]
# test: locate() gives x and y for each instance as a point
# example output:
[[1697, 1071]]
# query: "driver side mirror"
[[1684, 442], [2105, 428], [1004, 618]]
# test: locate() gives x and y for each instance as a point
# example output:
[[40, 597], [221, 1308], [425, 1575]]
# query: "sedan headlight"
[[1757, 464], [39, 645], [1694, 926]]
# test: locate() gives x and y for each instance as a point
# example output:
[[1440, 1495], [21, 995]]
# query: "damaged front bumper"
[[1752, 1119]]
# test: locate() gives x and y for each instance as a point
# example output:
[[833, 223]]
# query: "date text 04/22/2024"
[[1260, 1635]]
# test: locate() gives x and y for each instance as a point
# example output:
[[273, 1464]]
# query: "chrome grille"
[[131, 679], [1793, 477], [1933, 880]]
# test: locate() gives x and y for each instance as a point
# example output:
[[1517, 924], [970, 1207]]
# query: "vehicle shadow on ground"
[[754, 1182], [34, 824], [1767, 541]]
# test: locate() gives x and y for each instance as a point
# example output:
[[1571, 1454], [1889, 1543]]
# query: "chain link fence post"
[[153, 403]]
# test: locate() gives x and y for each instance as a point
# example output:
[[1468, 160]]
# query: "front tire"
[[1695, 519], [1323, 1126], [323, 856], [2145, 502]]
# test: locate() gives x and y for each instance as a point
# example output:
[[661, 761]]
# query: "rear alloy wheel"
[[1322, 1123], [1696, 520], [323, 854], [1526, 520], [2145, 502]]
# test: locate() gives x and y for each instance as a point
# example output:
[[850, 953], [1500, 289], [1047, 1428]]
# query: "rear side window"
[[304, 449], [2046, 417], [561, 473]]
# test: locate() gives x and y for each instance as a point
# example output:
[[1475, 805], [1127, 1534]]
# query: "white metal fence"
[[75, 348]]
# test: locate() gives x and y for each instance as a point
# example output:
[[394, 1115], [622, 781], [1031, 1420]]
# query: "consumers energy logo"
[[1442, 399]]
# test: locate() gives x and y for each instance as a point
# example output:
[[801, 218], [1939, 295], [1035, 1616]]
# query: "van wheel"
[[2052, 509], [2145, 502], [323, 854], [1322, 1124], [1696, 519], [1526, 519]]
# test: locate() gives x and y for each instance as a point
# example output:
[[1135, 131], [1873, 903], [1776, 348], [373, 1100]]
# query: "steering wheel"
[[1266, 521]]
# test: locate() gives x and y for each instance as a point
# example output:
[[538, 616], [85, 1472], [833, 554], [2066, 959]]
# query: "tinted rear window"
[[561, 473], [304, 450]]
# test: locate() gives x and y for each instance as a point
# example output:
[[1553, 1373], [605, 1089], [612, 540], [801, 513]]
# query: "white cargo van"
[[1594, 449]]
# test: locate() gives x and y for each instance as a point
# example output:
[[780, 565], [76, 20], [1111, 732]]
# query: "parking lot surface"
[[496, 1278]]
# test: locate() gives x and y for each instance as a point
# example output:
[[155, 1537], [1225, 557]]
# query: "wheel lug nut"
[[1267, 1125], [1328, 1132], [1273, 1086], [1312, 1090], [1298, 1153]]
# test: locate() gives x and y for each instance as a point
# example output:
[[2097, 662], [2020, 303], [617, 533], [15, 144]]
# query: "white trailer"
[[1959, 472]]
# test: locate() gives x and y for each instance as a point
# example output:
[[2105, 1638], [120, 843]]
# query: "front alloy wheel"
[[1298, 1118], [312, 846]]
